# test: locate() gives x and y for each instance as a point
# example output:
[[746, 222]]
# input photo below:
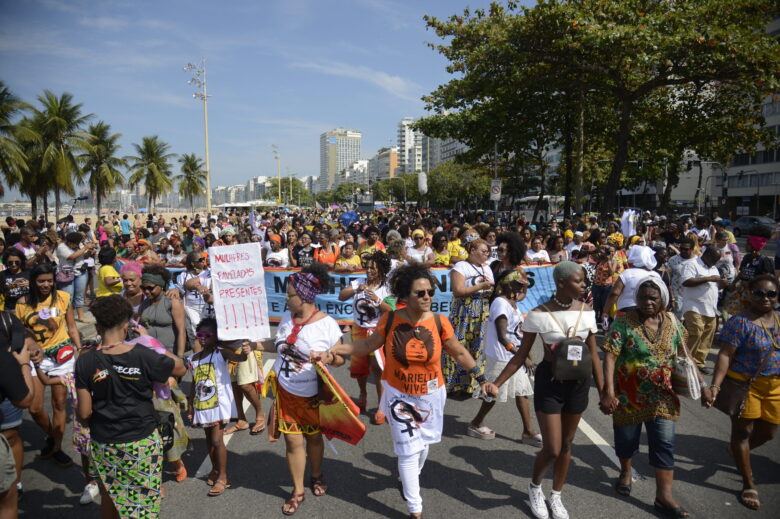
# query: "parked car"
[[744, 223]]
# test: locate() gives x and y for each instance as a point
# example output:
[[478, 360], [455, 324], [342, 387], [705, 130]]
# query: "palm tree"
[[101, 162], [151, 167], [60, 122], [13, 161], [192, 181], [33, 183]]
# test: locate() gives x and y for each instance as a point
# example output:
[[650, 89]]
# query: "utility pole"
[[199, 80]]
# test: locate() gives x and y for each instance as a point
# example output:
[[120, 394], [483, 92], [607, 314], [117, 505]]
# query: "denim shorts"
[[660, 440], [10, 415]]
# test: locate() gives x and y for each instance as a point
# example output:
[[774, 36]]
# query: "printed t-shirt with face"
[[413, 353], [346, 262], [214, 400], [493, 347], [305, 256], [472, 274], [34, 318], [365, 312], [122, 408], [293, 370]]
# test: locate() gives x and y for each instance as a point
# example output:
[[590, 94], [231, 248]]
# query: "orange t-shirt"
[[327, 257], [413, 353]]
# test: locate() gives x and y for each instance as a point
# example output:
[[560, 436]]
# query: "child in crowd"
[[212, 403]]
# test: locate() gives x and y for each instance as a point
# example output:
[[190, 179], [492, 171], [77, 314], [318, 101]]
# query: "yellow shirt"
[[354, 261], [47, 337], [457, 251], [441, 258], [107, 271]]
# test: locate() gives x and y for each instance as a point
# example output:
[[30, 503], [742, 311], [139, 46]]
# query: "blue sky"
[[280, 71]]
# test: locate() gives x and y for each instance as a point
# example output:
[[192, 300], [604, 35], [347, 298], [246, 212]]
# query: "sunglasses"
[[771, 294], [148, 288], [419, 237], [13, 262], [204, 335], [421, 293], [200, 260]]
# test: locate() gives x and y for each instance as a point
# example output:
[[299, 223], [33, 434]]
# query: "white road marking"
[[205, 467], [605, 447]]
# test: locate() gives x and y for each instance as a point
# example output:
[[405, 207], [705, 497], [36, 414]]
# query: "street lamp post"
[[199, 80], [278, 170]]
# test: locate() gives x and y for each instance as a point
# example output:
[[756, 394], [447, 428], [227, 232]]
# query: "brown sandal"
[[219, 488], [291, 505], [212, 478], [318, 486]]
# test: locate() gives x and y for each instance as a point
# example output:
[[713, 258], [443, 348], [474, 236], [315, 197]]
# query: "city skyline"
[[279, 74]]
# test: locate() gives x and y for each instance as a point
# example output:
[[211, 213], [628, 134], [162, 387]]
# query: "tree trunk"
[[697, 198], [539, 200], [621, 156], [579, 173], [33, 206], [45, 197], [57, 205], [568, 144], [98, 204]]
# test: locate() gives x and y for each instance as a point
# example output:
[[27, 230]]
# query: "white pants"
[[409, 468]]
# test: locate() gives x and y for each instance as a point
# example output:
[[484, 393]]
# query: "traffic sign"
[[495, 189]]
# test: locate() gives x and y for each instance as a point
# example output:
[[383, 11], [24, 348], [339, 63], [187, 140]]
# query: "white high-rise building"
[[339, 148], [409, 147]]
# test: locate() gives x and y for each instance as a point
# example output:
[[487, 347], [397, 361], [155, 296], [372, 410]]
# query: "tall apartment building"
[[255, 188], [409, 147], [384, 164], [339, 148]]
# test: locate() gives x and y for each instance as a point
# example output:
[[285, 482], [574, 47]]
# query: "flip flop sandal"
[[212, 475], [219, 488], [232, 428], [483, 433], [668, 511], [623, 490], [255, 431], [750, 502], [291, 505], [181, 474], [361, 402], [379, 418], [318, 486], [535, 440]]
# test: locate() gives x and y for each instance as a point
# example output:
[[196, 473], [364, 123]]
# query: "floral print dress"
[[643, 369]]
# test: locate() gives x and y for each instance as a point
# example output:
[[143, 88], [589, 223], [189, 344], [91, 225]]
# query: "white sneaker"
[[556, 505], [90, 494], [536, 498]]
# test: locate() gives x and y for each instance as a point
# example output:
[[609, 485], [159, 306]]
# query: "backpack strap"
[[389, 324], [437, 320]]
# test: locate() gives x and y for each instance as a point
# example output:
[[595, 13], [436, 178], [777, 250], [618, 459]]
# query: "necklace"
[[558, 301], [653, 338], [771, 335], [109, 346]]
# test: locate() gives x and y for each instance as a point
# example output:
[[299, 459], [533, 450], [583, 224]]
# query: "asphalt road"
[[463, 478]]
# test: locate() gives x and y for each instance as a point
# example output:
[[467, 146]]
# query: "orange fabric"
[[327, 257], [297, 415], [413, 353], [359, 364]]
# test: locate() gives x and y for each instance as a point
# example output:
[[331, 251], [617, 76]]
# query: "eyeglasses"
[[771, 294], [484, 251], [204, 335], [421, 293], [148, 288], [13, 262]]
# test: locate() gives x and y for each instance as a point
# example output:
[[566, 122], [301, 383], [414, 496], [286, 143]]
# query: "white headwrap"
[[655, 280], [642, 256]]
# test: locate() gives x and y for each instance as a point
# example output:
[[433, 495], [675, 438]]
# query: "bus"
[[552, 207]]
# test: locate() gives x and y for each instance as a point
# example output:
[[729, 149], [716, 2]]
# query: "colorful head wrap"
[[418, 232], [276, 238], [307, 285], [568, 233], [226, 230], [518, 276], [640, 256], [757, 242], [634, 239], [615, 239], [145, 242], [198, 240], [660, 285]]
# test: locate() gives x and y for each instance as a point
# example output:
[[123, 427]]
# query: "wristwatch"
[[703, 384]]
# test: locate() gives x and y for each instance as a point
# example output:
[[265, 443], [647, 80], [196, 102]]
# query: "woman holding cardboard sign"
[[413, 390], [567, 327], [303, 331]]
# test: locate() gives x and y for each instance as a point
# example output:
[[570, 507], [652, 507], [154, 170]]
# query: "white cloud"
[[394, 85], [103, 23]]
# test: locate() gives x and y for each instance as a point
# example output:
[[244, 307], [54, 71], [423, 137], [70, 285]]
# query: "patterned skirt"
[[132, 475], [297, 414], [469, 317]]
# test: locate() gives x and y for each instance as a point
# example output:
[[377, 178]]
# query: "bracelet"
[[480, 379], [714, 388], [474, 372]]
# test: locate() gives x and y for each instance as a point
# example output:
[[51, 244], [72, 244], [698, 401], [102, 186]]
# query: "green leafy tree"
[[34, 183], [60, 121], [298, 195], [512, 64], [151, 167], [13, 161], [451, 184], [101, 163], [192, 181]]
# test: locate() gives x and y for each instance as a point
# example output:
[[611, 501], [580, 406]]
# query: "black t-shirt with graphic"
[[122, 409], [13, 290]]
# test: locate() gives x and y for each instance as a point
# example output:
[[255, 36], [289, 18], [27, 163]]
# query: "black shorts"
[[555, 397], [777, 262]]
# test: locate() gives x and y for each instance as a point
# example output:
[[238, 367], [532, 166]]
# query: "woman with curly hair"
[[413, 393], [511, 252]]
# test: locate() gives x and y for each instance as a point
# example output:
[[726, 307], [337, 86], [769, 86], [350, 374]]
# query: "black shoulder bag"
[[571, 358], [165, 420]]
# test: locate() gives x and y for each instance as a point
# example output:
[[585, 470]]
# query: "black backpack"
[[571, 357]]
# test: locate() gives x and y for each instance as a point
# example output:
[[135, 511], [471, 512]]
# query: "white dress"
[[214, 401]]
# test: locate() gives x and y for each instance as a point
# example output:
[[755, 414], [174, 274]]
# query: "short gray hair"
[[565, 270]]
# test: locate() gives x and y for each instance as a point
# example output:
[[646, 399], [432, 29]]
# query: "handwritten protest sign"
[[239, 292]]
